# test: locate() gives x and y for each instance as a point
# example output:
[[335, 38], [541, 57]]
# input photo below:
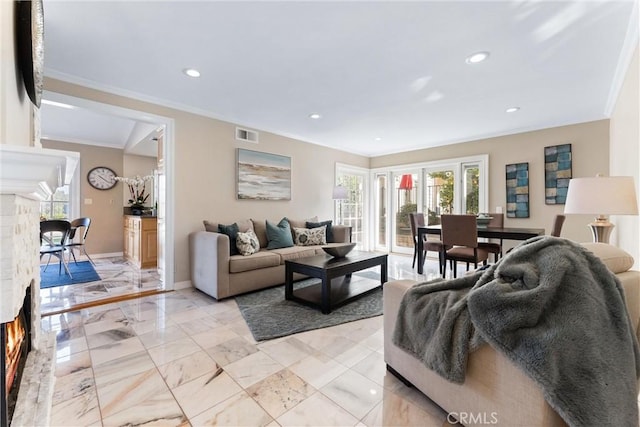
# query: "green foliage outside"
[[445, 193], [473, 190], [402, 217]]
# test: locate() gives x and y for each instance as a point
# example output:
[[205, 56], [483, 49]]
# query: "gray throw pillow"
[[279, 235]]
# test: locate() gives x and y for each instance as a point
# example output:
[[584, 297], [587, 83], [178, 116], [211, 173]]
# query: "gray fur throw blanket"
[[554, 309]]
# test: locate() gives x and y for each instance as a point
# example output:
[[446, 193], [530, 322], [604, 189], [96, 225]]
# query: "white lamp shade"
[[610, 195], [340, 193]]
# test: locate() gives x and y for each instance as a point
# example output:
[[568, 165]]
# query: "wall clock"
[[30, 41], [102, 178]]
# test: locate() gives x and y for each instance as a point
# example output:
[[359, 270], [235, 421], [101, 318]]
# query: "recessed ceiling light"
[[314, 116], [57, 104], [512, 109], [477, 57], [191, 72], [378, 139]]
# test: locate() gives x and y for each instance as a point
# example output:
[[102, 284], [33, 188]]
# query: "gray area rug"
[[269, 315]]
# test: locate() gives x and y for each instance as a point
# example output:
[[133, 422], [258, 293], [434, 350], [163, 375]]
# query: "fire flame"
[[15, 337]]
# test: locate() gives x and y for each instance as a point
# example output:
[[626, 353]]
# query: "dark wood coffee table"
[[337, 287]]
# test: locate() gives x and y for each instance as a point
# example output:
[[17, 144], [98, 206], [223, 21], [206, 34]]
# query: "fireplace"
[[27, 175], [15, 343]]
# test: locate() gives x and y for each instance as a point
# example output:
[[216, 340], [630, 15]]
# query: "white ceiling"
[[385, 76]]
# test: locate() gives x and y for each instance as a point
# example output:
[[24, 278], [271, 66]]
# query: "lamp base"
[[601, 230]]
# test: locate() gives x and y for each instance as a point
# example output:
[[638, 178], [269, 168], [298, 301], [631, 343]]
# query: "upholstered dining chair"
[[497, 220], [53, 237], [416, 219], [558, 221], [79, 228], [460, 234]]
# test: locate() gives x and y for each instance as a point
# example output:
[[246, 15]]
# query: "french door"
[[351, 211], [434, 188], [405, 199]]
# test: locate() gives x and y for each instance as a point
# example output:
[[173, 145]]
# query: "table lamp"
[[601, 196]]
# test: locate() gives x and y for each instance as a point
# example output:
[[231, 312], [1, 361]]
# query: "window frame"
[[458, 165]]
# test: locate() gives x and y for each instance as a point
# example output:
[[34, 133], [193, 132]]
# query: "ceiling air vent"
[[246, 135]]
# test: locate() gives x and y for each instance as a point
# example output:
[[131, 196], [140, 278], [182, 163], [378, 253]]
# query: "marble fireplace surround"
[[27, 175]]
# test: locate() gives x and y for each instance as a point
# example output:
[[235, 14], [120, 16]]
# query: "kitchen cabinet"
[[141, 240]]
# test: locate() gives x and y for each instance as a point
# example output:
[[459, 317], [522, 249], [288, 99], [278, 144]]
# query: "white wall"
[[625, 154], [15, 106]]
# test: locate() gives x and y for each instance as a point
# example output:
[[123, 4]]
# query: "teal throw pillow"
[[231, 231], [279, 235], [320, 224]]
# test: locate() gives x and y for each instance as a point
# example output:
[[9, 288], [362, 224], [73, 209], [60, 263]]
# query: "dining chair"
[[558, 221], [80, 228], [460, 234], [497, 221], [53, 237], [416, 219]]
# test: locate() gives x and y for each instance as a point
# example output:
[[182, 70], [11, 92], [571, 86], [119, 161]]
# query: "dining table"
[[504, 233]]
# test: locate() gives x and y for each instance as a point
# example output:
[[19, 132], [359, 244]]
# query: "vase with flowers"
[[137, 192]]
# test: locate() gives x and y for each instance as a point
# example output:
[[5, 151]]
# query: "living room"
[[203, 164]]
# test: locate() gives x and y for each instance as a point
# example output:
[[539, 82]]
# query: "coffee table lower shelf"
[[343, 290]]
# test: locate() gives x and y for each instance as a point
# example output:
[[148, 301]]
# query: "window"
[[451, 186], [471, 188], [439, 198], [351, 211], [57, 207]]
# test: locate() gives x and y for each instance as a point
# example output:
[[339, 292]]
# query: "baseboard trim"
[[182, 285]]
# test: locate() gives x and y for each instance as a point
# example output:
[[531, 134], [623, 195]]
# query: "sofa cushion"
[[262, 259], [295, 252], [260, 228], [232, 232], [313, 224], [310, 236], [243, 225], [279, 235], [247, 243], [616, 259]]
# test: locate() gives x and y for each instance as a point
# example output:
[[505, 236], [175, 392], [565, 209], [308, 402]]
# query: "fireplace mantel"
[[23, 170], [27, 175]]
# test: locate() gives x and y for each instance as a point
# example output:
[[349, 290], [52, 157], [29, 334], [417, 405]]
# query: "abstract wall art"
[[517, 175], [557, 173], [263, 176]]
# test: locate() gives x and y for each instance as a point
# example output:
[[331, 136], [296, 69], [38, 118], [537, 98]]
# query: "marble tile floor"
[[183, 358], [118, 277]]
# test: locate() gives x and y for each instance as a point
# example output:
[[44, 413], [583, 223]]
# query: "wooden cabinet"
[[141, 240]]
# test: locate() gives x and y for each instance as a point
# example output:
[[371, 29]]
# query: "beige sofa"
[[216, 273], [495, 391]]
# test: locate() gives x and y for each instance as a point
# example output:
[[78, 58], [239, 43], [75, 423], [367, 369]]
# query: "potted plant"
[[137, 192]]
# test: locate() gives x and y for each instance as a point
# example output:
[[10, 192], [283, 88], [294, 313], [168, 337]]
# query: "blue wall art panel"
[[517, 190], [557, 173]]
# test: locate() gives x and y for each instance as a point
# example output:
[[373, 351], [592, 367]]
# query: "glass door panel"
[[439, 194], [351, 210], [406, 191], [380, 215], [471, 188]]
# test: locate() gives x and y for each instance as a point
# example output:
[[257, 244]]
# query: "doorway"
[[163, 180]]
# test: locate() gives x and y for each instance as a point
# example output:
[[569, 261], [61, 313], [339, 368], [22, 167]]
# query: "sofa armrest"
[[341, 233], [209, 262]]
